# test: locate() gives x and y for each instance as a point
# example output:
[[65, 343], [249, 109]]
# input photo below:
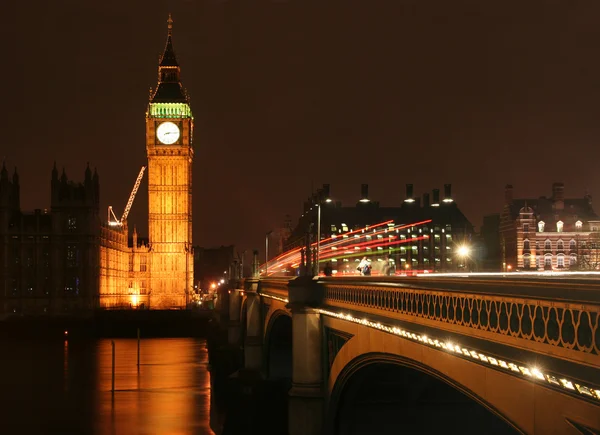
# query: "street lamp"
[[464, 251], [323, 197], [267, 252]]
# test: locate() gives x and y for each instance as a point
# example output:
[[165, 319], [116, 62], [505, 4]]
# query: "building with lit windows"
[[549, 233], [435, 245]]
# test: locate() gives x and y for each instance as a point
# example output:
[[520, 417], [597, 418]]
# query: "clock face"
[[167, 133]]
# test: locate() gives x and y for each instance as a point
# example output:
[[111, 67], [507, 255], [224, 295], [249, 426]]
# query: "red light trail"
[[342, 247]]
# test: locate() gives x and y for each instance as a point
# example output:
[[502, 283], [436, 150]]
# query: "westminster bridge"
[[525, 350]]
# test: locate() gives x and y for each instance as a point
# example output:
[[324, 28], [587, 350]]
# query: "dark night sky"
[[289, 93]]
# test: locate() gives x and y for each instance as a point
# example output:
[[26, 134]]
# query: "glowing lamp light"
[[66, 333], [329, 200], [365, 200], [509, 267], [213, 285], [409, 200], [464, 251]]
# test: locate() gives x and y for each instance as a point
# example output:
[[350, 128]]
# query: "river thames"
[[64, 387]]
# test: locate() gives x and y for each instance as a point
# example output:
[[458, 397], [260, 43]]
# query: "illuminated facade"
[[169, 128], [157, 274], [69, 260], [550, 233]]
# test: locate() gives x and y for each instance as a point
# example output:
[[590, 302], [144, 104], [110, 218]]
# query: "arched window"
[[572, 246], [559, 226], [541, 226], [560, 261], [527, 262], [578, 225], [560, 246], [548, 245], [573, 261], [526, 245], [548, 262]]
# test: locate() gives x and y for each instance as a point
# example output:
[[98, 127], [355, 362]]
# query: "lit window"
[[541, 225], [573, 261], [559, 226], [72, 223], [142, 263], [561, 261], [578, 225]]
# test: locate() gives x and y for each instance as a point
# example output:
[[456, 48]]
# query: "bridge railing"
[[569, 328], [274, 287]]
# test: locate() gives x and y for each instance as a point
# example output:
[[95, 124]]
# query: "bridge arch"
[[278, 345], [419, 398]]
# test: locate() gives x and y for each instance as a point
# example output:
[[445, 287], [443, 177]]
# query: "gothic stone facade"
[[549, 233], [158, 274], [49, 258]]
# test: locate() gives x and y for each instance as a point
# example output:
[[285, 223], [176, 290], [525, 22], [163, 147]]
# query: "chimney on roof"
[[364, 193], [448, 193], [508, 194], [558, 195], [436, 198], [409, 193], [426, 200]]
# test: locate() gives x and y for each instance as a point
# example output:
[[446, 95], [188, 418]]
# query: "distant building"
[[491, 248], [211, 265], [550, 233], [437, 252]]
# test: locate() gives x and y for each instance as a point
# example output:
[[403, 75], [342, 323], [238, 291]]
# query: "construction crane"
[[112, 219]]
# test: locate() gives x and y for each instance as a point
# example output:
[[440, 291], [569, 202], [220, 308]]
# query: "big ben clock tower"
[[169, 127]]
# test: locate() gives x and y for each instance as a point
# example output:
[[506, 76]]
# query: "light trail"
[[355, 243]]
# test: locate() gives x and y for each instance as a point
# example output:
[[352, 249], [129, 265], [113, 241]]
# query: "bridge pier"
[[234, 327], [306, 401], [253, 342]]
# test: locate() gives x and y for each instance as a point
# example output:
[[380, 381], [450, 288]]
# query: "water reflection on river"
[[65, 387]]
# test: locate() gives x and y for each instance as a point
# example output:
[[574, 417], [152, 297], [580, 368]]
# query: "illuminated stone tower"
[[169, 127]]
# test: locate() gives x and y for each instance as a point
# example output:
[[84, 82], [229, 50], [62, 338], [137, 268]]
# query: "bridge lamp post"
[[267, 252], [326, 199], [464, 251]]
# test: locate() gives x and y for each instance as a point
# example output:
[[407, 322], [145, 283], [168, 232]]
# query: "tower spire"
[[169, 89]]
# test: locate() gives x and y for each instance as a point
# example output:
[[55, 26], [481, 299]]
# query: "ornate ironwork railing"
[[572, 329]]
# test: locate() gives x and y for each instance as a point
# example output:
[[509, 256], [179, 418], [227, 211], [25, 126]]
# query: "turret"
[[16, 191], [169, 89]]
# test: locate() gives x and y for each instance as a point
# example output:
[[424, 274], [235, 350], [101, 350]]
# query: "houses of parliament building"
[[68, 259]]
